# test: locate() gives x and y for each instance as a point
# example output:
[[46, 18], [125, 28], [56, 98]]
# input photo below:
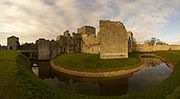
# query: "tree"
[[154, 41], [134, 42]]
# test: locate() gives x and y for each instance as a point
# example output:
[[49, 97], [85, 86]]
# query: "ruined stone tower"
[[113, 40], [87, 30], [13, 43], [89, 42], [43, 49], [77, 41]]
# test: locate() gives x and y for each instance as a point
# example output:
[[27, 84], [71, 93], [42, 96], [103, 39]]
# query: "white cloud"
[[31, 19]]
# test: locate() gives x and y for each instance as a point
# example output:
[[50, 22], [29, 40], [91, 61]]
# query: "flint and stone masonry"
[[130, 41], [113, 40], [43, 49]]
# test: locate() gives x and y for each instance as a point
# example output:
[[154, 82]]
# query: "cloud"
[[48, 18]]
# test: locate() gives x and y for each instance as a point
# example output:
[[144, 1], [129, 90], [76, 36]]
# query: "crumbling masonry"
[[112, 41]]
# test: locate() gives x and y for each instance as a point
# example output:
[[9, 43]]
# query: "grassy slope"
[[18, 81], [92, 62]]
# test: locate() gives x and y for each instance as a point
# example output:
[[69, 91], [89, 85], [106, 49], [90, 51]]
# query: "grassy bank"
[[168, 89], [92, 62], [18, 82]]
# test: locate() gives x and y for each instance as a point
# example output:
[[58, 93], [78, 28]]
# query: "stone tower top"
[[67, 34], [105, 23], [13, 37], [130, 35], [13, 43], [87, 30]]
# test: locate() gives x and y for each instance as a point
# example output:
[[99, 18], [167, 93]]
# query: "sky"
[[34, 19]]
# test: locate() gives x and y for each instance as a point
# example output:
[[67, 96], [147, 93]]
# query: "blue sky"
[[33, 19]]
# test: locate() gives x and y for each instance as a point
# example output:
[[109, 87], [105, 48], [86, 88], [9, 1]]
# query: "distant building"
[[13, 43]]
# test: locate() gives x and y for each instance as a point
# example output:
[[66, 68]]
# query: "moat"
[[151, 75]]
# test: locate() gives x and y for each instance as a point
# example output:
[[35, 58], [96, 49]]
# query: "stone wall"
[[62, 44], [77, 41], [89, 43], [43, 49], [67, 43], [113, 40], [28, 46], [53, 49], [148, 48], [88, 30], [130, 41]]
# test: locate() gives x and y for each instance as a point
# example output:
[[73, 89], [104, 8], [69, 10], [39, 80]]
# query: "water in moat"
[[152, 74]]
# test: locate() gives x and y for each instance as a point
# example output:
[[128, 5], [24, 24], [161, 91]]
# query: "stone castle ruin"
[[112, 41]]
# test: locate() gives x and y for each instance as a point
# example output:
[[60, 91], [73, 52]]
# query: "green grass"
[[18, 82], [92, 62]]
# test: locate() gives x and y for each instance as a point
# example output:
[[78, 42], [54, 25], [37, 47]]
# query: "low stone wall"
[[148, 48]]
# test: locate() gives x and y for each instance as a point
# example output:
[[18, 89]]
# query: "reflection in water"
[[44, 71], [152, 74], [148, 76]]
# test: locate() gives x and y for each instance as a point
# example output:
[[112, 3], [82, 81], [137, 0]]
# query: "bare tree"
[[154, 41]]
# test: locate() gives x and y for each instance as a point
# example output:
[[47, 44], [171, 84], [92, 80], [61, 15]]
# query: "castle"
[[111, 41]]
